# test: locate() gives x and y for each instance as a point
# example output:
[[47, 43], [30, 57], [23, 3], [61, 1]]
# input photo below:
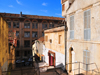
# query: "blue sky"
[[32, 7]]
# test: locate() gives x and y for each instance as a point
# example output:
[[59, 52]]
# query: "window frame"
[[17, 23], [72, 31], [27, 45], [59, 39], [89, 29], [26, 24], [87, 58], [26, 32], [36, 33]]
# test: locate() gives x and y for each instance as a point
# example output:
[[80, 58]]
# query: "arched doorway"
[[70, 59]]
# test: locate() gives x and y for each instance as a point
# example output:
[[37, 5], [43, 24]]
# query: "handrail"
[[86, 65]]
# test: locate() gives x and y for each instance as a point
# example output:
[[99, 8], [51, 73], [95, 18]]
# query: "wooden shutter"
[[86, 58], [72, 27], [87, 30]]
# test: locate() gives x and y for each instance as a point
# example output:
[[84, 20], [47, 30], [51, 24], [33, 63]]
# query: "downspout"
[[65, 31]]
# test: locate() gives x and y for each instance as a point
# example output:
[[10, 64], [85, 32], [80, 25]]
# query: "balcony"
[[62, 1]]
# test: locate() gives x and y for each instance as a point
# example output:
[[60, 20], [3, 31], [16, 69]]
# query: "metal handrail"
[[83, 69]]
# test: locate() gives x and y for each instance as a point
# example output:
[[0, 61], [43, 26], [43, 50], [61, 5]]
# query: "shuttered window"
[[87, 29], [72, 27], [86, 58]]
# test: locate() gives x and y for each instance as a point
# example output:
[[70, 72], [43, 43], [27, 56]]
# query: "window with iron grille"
[[27, 43], [87, 29], [86, 59], [34, 34], [72, 27], [26, 34], [26, 25]]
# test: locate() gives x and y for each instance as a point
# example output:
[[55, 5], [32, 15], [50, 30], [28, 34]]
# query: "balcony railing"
[[62, 1]]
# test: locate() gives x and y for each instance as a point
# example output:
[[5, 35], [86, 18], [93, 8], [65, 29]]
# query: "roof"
[[41, 39], [30, 16], [55, 29]]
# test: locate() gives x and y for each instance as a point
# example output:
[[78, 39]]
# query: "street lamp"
[[65, 30]]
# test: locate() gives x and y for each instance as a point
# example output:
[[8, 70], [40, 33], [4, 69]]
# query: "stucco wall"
[[55, 45], [4, 50], [59, 57], [78, 43]]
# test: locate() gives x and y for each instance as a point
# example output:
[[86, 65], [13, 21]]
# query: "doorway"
[[70, 59], [51, 58]]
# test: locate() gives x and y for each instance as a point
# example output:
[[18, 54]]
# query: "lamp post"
[[65, 30]]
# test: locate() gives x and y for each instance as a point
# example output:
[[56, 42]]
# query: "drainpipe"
[[65, 31]]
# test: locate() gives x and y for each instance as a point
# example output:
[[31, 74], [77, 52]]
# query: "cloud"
[[58, 14], [44, 11], [44, 4], [18, 2], [11, 6]]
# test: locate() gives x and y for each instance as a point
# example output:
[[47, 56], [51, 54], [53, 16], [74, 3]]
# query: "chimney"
[[20, 14]]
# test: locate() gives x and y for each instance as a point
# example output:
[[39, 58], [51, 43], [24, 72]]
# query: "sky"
[[32, 7]]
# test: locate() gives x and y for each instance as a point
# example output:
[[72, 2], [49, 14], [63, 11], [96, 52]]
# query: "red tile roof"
[[31, 16], [41, 39]]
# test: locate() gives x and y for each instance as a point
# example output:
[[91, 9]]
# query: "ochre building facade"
[[4, 47]]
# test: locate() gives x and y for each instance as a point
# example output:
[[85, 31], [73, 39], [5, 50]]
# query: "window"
[[9, 24], [52, 25], [44, 26], [72, 27], [35, 25], [46, 38], [26, 34], [26, 25], [50, 40], [25, 53], [15, 24], [59, 40], [87, 29], [26, 43], [17, 53], [42, 33], [86, 58], [34, 34], [17, 33], [17, 43], [63, 7]]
